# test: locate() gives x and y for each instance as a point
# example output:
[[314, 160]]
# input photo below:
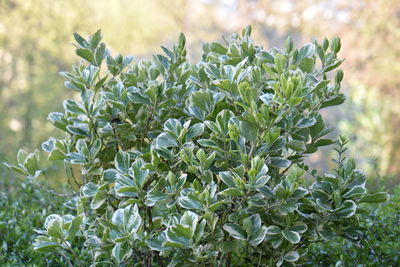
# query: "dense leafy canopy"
[[203, 163], [24, 209], [378, 244]]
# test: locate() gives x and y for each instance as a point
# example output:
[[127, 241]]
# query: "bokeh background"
[[36, 44]]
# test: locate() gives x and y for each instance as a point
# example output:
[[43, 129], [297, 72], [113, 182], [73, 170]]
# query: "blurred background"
[[36, 37]]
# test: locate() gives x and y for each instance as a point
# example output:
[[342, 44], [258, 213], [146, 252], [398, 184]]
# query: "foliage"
[[34, 47], [24, 208], [379, 243], [371, 116], [204, 163]]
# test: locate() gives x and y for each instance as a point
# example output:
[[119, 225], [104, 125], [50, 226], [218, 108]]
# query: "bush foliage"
[[378, 242], [201, 163], [23, 209]]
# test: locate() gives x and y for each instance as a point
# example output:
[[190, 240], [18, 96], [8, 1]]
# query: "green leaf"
[[356, 190], [45, 244], [378, 197], [235, 231], [231, 245], [307, 51], [173, 127], [155, 243], [54, 228], [137, 96], [287, 208], [110, 175], [334, 101], [85, 54], [79, 129], [231, 192], [324, 142], [15, 169], [188, 203], [58, 154], [48, 146], [258, 236], [228, 179], [76, 158], [184, 231], [333, 66], [74, 107], [296, 145], [280, 162], [202, 103], [291, 256], [189, 218], [139, 173], [307, 65], [179, 235], [122, 162], [208, 161], [58, 119], [273, 230], [248, 130], [291, 236], [165, 140], [216, 205], [98, 200], [255, 220], [195, 131], [347, 209], [208, 143], [175, 242], [218, 48], [75, 226], [100, 55], [306, 122], [121, 252], [276, 241], [154, 196], [31, 164], [89, 189], [21, 156], [80, 40], [127, 219], [299, 227], [320, 85], [82, 148]]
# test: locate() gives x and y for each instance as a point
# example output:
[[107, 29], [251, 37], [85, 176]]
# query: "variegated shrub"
[[184, 164]]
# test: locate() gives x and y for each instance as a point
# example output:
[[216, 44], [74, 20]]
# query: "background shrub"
[[378, 243], [24, 207]]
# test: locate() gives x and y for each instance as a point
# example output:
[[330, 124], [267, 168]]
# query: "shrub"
[[378, 241], [204, 163], [24, 208]]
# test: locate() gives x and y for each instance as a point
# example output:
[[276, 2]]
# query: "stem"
[[73, 252], [228, 259], [160, 259], [70, 263], [348, 252], [149, 119], [285, 170], [150, 216], [259, 258], [73, 175], [117, 138], [53, 192]]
